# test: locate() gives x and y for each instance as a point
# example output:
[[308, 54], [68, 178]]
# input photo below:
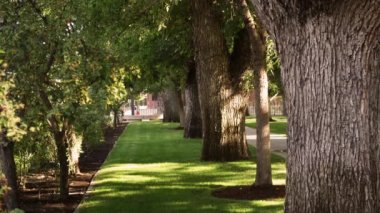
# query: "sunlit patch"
[[161, 172]]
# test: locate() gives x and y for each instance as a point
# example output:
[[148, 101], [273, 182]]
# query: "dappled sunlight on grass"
[[153, 169]]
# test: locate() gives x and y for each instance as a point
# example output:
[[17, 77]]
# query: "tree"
[[157, 46], [8, 168], [257, 41], [62, 75], [39, 84], [193, 120], [220, 76], [11, 130], [155, 42], [330, 57], [171, 106], [118, 93]]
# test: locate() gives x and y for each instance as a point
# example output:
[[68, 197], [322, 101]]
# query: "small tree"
[[193, 120], [11, 130], [257, 42]]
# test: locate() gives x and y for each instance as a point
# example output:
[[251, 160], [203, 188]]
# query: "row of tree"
[[205, 55], [59, 83], [226, 48], [329, 53], [67, 61], [161, 49], [68, 71]]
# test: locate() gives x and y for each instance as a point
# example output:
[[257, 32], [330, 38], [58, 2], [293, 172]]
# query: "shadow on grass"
[[153, 169], [251, 192], [180, 188]]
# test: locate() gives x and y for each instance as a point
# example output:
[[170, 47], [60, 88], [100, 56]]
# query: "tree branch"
[[53, 121], [240, 59], [273, 97], [143, 12], [38, 11], [257, 36], [249, 46]]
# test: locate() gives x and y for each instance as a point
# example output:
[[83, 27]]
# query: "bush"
[[34, 152]]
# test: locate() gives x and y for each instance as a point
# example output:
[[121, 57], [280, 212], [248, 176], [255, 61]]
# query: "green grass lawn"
[[153, 169], [279, 126]]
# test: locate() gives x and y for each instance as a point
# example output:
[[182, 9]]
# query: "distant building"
[[153, 101], [148, 104]]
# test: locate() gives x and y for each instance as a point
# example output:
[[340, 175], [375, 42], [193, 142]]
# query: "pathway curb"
[[278, 141], [90, 188]]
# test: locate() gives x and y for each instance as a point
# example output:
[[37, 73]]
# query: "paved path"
[[278, 141]]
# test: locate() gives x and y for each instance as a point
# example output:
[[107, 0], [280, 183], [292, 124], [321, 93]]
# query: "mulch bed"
[[251, 192], [41, 192]]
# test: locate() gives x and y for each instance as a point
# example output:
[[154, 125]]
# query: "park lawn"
[[278, 127], [153, 169]]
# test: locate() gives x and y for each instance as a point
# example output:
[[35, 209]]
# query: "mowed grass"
[[279, 126], [153, 169]]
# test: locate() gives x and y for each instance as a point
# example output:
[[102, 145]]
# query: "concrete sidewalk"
[[278, 141]]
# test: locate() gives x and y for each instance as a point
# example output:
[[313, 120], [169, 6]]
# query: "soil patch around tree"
[[41, 191], [251, 192]]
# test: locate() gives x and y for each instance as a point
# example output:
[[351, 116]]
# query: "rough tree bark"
[[8, 168], [263, 151], [257, 39], [330, 69], [171, 108], [62, 152], [74, 150], [193, 120], [223, 101], [59, 130], [181, 108]]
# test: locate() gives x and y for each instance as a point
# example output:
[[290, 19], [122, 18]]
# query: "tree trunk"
[[132, 106], [74, 150], [193, 121], [270, 111], [330, 69], [8, 168], [115, 118], [171, 108], [263, 152], [284, 110], [62, 153], [257, 40], [181, 109], [222, 101]]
